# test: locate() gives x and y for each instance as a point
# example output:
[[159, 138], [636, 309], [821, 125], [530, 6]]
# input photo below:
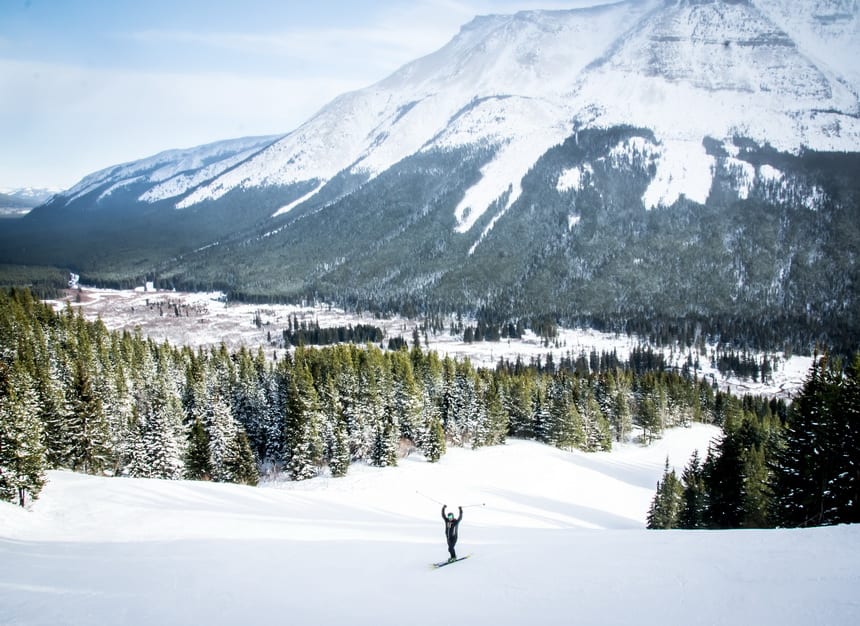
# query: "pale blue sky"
[[86, 84]]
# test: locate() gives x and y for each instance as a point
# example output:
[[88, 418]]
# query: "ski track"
[[559, 537]]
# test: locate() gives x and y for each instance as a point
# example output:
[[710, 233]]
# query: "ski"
[[444, 563]]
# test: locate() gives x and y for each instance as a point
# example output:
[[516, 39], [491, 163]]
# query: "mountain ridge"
[[482, 177]]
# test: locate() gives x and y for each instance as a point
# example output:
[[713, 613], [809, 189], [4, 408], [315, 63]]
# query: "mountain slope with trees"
[[655, 165]]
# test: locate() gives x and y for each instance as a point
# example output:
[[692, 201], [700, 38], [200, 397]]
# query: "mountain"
[[19, 202], [682, 160]]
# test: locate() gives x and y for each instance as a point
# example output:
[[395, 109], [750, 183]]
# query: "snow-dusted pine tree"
[[22, 455]]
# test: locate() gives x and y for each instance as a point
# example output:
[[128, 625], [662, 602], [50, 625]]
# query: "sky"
[[87, 84]]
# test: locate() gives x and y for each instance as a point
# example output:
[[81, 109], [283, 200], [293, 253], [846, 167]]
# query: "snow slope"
[[774, 71], [522, 83], [174, 171], [559, 540]]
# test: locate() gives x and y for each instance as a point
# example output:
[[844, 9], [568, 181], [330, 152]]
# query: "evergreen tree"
[[596, 430], [197, 465], [53, 410], [434, 446], [303, 425], [157, 439], [815, 469], [694, 512], [648, 419], [339, 458], [22, 455], [221, 432], [665, 510], [242, 463], [87, 427], [845, 486]]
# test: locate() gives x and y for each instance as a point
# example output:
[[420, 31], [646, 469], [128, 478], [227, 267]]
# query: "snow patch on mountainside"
[[744, 175], [292, 205], [123, 183], [684, 168], [826, 31], [489, 123], [770, 173], [570, 180]]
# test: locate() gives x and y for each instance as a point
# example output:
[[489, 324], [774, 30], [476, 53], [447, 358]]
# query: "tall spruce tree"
[[815, 470], [665, 510], [197, 465], [22, 455], [695, 504], [303, 425], [87, 426]]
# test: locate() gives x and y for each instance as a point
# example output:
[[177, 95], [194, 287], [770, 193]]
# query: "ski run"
[[560, 539]]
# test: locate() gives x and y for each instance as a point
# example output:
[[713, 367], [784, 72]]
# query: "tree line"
[[75, 395], [775, 466]]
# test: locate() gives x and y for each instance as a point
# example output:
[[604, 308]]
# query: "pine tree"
[[845, 486], [434, 446], [22, 455], [405, 397], [303, 423], [87, 426], [243, 464], [221, 432], [53, 410], [197, 465], [598, 435], [518, 405], [694, 512], [339, 458], [648, 419], [666, 506], [157, 445], [815, 467]]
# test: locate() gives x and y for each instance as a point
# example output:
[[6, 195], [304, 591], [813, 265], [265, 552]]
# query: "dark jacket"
[[451, 526]]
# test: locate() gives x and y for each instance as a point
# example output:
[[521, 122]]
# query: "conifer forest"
[[76, 396], [775, 466]]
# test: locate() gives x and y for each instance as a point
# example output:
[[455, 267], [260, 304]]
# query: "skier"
[[451, 525]]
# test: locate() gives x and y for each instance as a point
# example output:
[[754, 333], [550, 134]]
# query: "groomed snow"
[[559, 540]]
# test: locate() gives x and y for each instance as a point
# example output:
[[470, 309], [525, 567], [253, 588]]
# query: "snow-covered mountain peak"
[[718, 69], [775, 71]]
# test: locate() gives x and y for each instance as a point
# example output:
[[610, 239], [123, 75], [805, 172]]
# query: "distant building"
[[150, 286], [73, 280]]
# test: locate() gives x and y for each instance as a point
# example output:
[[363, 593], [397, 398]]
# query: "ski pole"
[[469, 506], [428, 497]]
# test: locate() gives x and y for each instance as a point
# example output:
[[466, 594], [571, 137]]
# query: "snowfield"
[[555, 537], [205, 320]]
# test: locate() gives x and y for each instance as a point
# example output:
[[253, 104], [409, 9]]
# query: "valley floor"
[[204, 320]]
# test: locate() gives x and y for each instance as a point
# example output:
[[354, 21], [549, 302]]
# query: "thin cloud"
[[107, 117]]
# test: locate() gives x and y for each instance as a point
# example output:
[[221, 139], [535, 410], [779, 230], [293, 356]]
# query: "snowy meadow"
[[555, 538], [205, 319]]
